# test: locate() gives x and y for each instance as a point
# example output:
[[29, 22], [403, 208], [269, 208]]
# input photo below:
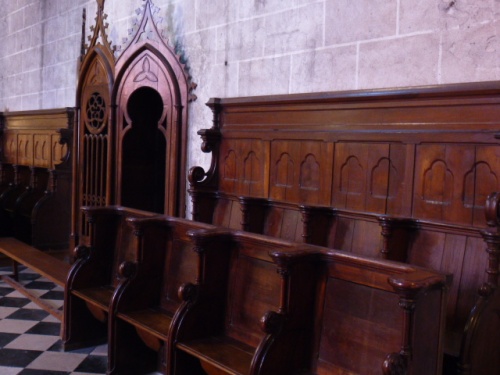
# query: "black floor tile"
[[95, 364], [28, 276], [14, 302], [54, 295], [5, 291], [42, 285], [45, 328], [58, 347], [17, 358], [28, 314], [21, 358], [6, 338], [42, 372]]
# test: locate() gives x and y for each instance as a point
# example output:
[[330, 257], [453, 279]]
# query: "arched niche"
[[149, 67], [143, 152]]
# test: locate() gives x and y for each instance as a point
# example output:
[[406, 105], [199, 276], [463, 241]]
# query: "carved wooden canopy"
[[132, 122]]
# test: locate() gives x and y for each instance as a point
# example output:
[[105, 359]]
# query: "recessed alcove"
[[143, 153]]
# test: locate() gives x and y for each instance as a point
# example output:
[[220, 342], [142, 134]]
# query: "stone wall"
[[258, 47]]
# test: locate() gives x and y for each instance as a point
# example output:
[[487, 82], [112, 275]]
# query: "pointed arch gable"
[[105, 96], [148, 61]]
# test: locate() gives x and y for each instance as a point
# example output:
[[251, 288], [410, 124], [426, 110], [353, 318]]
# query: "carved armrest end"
[[395, 364], [272, 322], [127, 269], [492, 209], [81, 252], [188, 292], [411, 284]]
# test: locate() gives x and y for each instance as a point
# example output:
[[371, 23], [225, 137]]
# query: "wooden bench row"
[[184, 297], [443, 247], [28, 196]]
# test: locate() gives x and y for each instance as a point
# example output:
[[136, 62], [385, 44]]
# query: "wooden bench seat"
[[139, 326], [248, 318], [50, 267], [224, 353], [94, 276], [154, 321], [54, 269], [99, 296]]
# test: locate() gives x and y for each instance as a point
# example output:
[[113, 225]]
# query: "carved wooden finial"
[[98, 30]]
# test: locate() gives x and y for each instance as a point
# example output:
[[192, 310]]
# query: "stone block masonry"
[[258, 47]]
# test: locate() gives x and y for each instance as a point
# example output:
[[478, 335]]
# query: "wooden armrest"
[[139, 223], [410, 284], [100, 210], [296, 254], [201, 235]]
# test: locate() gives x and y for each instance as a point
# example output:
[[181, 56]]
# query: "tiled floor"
[[29, 336]]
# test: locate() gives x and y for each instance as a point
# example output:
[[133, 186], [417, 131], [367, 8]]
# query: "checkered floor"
[[29, 336]]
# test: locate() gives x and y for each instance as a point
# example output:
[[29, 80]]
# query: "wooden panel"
[[439, 175], [361, 321], [25, 149], [300, 171], [483, 179], [367, 176], [254, 290], [32, 138], [472, 276], [242, 168], [10, 147], [424, 157], [283, 223], [342, 234], [460, 255], [42, 150], [180, 267], [366, 238]]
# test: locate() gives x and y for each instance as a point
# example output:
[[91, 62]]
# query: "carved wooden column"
[[203, 184], [408, 291], [396, 233], [316, 224], [253, 213]]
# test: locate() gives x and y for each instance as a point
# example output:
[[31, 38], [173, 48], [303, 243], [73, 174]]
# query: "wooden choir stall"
[[332, 233]]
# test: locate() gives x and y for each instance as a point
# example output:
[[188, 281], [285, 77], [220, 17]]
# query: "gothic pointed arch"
[[151, 93], [92, 157]]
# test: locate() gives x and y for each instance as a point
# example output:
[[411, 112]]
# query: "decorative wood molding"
[[32, 138]]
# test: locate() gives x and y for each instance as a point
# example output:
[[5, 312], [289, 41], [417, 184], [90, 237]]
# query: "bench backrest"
[[180, 264], [362, 321], [253, 289], [113, 241]]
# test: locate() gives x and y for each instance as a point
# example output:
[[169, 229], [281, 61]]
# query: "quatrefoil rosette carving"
[[95, 110]]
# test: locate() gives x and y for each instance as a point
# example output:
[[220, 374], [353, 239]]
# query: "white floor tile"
[[32, 342], [10, 370], [15, 325], [57, 361]]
